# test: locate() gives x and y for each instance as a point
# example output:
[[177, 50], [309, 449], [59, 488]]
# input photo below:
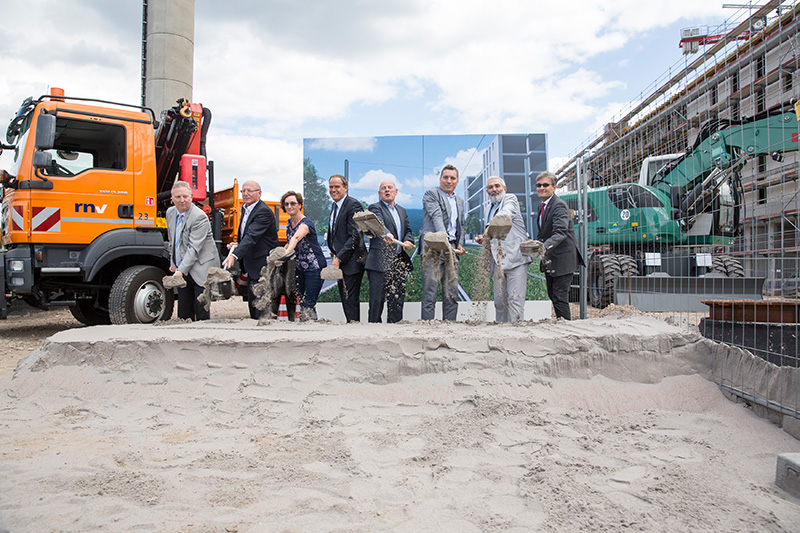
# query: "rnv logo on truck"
[[90, 208]]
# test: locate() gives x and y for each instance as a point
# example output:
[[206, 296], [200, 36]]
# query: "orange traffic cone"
[[283, 313]]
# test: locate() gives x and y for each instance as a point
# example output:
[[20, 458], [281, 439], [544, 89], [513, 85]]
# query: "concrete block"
[[791, 425], [787, 474]]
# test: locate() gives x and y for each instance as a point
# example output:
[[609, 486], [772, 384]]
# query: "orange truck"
[[83, 205]]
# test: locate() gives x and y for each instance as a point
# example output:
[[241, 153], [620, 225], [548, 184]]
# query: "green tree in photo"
[[316, 199], [472, 225]]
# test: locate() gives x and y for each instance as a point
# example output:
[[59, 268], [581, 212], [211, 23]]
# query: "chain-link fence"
[[687, 203]]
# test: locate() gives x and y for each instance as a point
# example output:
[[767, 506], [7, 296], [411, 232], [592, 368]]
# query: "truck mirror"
[[42, 159], [45, 131]]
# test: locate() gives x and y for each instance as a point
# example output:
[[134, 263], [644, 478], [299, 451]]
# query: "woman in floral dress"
[[301, 238]]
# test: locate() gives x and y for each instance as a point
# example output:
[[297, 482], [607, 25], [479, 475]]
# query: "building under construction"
[[739, 73]]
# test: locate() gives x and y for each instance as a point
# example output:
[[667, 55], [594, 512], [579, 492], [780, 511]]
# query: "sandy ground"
[[604, 424]]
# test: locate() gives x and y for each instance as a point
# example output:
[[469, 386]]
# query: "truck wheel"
[[627, 266], [138, 297], [87, 312], [727, 266], [733, 268], [602, 271]]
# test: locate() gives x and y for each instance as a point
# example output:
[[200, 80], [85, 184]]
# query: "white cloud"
[[372, 179], [275, 72], [468, 162], [343, 144], [276, 165]]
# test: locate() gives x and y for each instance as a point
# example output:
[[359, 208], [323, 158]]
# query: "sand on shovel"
[[532, 248], [498, 227], [369, 223], [437, 242], [276, 255], [436, 253], [173, 282], [218, 286], [331, 273]]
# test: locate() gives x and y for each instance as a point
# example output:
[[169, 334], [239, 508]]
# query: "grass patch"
[[475, 281]]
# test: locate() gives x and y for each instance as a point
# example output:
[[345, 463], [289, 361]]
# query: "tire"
[[603, 269], [733, 268], [627, 266], [89, 313], [727, 266], [138, 297]]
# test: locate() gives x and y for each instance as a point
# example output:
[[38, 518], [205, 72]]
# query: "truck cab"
[[80, 211]]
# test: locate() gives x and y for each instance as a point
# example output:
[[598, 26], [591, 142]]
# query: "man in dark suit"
[[442, 211], [257, 236], [561, 256], [388, 264], [192, 250], [346, 245]]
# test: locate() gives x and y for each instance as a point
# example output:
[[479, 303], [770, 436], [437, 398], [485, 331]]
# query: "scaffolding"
[[744, 81], [735, 79]]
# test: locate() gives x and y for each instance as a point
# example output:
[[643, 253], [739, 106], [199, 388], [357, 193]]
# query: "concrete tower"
[[168, 52]]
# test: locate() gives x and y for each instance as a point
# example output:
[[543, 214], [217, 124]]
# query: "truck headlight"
[[16, 266]]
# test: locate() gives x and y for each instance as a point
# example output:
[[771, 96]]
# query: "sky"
[[412, 162], [274, 72]]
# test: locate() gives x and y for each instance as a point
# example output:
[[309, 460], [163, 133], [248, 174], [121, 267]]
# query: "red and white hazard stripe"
[[17, 218], [46, 219]]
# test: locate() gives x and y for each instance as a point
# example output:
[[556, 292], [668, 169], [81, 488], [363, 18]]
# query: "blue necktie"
[[177, 238]]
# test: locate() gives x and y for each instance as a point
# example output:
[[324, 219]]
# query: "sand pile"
[[592, 425]]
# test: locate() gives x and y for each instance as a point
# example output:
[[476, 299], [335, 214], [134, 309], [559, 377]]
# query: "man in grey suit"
[[191, 250], [388, 263], [442, 211], [556, 232], [508, 266]]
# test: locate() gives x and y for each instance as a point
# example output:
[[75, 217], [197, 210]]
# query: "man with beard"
[[508, 266]]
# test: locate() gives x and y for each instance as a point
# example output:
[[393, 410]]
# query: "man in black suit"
[[346, 245], [388, 264], [257, 236], [561, 256]]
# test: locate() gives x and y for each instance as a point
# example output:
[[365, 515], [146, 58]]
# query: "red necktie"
[[541, 215]]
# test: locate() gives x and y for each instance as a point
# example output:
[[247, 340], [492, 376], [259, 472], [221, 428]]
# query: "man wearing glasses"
[[257, 236], [561, 256]]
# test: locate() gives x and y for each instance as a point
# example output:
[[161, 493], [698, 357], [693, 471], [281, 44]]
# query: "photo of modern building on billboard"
[[414, 162]]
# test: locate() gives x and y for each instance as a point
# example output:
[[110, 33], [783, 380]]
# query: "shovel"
[[438, 242], [499, 227], [369, 223]]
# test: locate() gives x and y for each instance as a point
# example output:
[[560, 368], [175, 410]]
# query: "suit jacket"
[[378, 259], [345, 241], [436, 215], [259, 238], [558, 235], [511, 256], [195, 243]]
